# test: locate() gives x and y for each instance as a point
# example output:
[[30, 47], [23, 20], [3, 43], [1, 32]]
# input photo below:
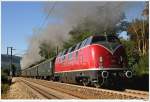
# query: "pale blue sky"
[[20, 18]]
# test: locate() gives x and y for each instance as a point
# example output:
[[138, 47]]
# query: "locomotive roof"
[[41, 62], [65, 51], [103, 35]]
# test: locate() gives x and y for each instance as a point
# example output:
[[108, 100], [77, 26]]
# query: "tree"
[[145, 12], [131, 52], [5, 70], [47, 51], [137, 46], [139, 32], [142, 67], [44, 51]]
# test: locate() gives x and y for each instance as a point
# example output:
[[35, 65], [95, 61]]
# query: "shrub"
[[4, 77], [142, 67], [4, 88], [5, 80]]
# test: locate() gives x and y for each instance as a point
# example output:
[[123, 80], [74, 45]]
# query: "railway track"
[[46, 92], [83, 92], [137, 92]]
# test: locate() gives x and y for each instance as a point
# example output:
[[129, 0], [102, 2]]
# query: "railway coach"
[[43, 70], [46, 69]]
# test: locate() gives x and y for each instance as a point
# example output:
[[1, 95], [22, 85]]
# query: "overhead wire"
[[44, 21], [46, 18]]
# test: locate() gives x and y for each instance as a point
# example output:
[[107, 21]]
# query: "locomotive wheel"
[[100, 83], [85, 82], [96, 85]]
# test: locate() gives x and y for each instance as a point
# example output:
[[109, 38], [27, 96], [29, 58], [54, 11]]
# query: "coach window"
[[59, 54], [63, 57], [83, 43], [69, 50], [70, 56], [66, 51], [88, 42], [63, 54], [76, 54], [78, 46], [60, 57], [73, 48]]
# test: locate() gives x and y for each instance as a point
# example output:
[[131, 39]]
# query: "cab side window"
[[63, 54], [76, 54], [78, 46], [69, 50], [83, 43], [70, 56], [88, 42]]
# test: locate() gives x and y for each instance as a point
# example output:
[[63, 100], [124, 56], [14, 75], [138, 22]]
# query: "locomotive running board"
[[93, 69]]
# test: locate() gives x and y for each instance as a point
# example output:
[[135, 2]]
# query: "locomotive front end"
[[110, 59]]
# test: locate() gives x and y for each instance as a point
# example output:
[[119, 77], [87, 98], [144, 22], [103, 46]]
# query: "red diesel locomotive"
[[98, 60]]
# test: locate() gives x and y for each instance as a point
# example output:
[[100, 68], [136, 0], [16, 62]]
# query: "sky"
[[19, 19]]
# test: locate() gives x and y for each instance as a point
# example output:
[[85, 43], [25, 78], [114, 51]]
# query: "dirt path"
[[19, 90]]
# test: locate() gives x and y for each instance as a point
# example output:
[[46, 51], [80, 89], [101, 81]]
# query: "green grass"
[[5, 81], [142, 67], [4, 88]]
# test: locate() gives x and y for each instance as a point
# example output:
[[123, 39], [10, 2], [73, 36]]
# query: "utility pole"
[[10, 69], [7, 51]]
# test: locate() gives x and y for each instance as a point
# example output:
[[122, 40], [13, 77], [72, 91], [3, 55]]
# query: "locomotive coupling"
[[128, 74], [105, 74]]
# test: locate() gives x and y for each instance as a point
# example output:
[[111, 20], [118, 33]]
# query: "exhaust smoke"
[[99, 16]]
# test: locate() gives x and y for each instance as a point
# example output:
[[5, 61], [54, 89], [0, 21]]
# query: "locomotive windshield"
[[108, 41], [113, 39], [101, 39]]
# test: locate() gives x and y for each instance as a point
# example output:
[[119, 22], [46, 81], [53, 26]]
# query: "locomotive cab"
[[109, 52]]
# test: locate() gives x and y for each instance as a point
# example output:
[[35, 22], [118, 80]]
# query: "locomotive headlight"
[[100, 59], [105, 74], [128, 74]]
